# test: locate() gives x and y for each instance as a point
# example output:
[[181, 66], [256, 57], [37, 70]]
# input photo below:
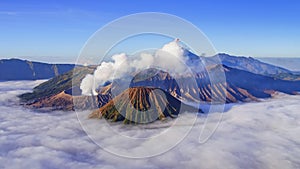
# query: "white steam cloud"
[[170, 58]]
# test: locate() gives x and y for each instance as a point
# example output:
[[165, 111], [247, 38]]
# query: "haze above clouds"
[[252, 135], [288, 63]]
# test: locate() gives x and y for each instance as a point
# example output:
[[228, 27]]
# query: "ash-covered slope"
[[142, 105]]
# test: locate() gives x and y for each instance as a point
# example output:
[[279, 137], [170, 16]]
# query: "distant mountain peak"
[[17, 69], [250, 64]]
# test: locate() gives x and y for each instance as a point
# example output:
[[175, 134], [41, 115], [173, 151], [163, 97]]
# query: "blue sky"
[[55, 31]]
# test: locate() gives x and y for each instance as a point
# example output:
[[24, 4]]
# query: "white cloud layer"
[[252, 135]]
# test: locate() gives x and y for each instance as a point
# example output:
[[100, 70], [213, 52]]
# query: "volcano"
[[242, 79], [142, 105]]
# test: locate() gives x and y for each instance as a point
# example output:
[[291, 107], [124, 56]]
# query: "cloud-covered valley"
[[251, 135]]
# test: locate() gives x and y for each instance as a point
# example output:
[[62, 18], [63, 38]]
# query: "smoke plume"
[[169, 58]]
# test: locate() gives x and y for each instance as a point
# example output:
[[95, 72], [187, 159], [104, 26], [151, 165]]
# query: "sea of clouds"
[[252, 135]]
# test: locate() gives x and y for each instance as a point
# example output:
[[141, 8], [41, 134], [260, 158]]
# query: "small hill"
[[58, 84], [60, 101], [61, 92]]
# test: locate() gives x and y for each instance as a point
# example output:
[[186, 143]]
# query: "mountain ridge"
[[17, 69], [234, 91]]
